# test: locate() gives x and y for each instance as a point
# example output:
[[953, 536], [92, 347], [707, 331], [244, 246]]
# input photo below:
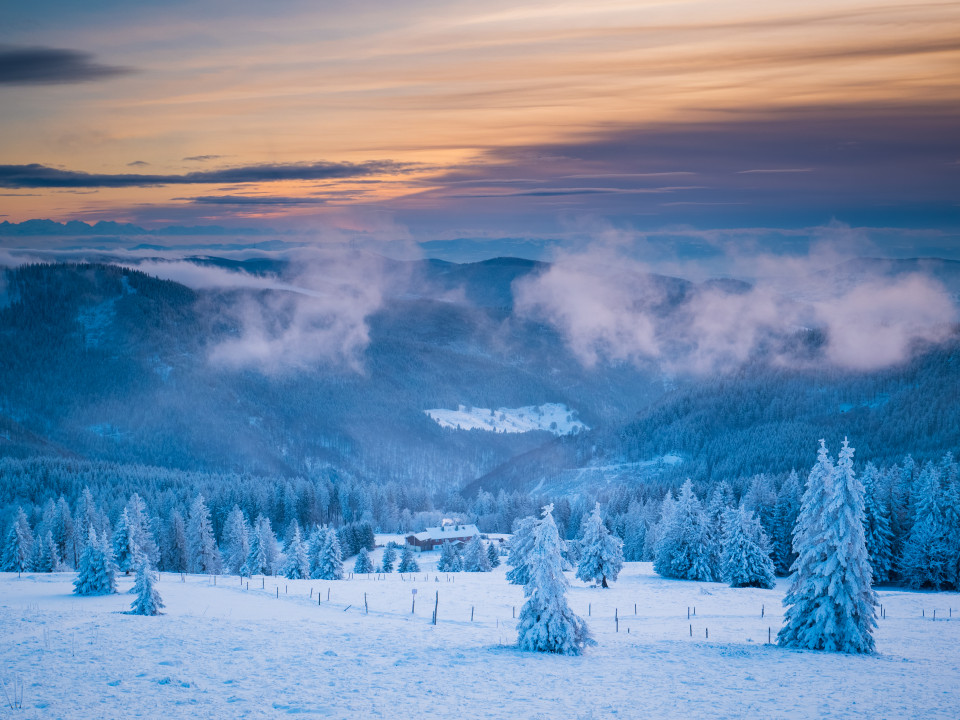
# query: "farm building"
[[434, 537]]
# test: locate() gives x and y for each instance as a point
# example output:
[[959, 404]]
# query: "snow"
[[555, 418], [225, 651]]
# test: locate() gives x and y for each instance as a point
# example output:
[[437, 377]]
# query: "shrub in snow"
[[546, 622], [493, 554], [601, 554], [683, 549], [746, 551], [297, 566], [830, 603], [330, 562], [148, 601], [364, 564], [408, 563], [389, 557], [96, 570], [475, 557], [520, 545], [18, 547]]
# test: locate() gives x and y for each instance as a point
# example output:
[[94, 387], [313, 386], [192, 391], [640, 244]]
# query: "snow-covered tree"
[[148, 600], [546, 622], [62, 530], [330, 562], [450, 560], [475, 556], [683, 550], [204, 554], [408, 563], [176, 549], [140, 528], [601, 554], [746, 555], [96, 570], [256, 562], [18, 548], [830, 603], [876, 526], [47, 554], [924, 561], [236, 540], [389, 557], [364, 564], [125, 547], [784, 520], [493, 554], [520, 545], [297, 566]]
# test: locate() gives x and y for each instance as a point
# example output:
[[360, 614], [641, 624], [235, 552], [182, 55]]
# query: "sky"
[[468, 130]]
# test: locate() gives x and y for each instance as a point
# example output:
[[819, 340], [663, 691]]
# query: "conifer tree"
[[236, 540], [140, 528], [546, 622], [450, 560], [96, 570], [924, 561], [148, 600], [683, 550], [256, 562], [746, 557], [18, 548], [389, 557], [204, 554], [784, 520], [876, 526], [125, 548], [493, 554], [830, 603], [408, 563], [63, 530], [520, 545], [601, 557], [475, 556], [364, 564], [330, 562], [47, 556], [297, 566], [177, 551]]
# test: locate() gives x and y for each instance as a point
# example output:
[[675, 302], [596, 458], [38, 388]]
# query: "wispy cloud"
[[202, 158], [44, 66]]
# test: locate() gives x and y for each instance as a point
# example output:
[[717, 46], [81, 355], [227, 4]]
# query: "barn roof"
[[447, 532]]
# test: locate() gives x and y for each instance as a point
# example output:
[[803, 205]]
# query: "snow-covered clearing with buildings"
[[228, 651], [555, 418]]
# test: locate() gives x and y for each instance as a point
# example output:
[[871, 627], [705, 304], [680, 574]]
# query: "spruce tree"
[[297, 566], [601, 557], [683, 549], [546, 622], [330, 562], [148, 601], [364, 564], [204, 555], [493, 554], [96, 570], [18, 548], [125, 548], [256, 562], [236, 540], [177, 551], [389, 557], [746, 556], [408, 563], [924, 561], [447, 561], [475, 556], [876, 526], [47, 556], [520, 545], [784, 520], [830, 603]]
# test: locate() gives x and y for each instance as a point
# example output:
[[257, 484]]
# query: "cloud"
[[43, 176], [137, 163], [611, 308], [254, 200], [202, 158], [42, 66]]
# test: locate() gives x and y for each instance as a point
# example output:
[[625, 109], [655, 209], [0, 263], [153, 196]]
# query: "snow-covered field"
[[552, 417], [226, 651]]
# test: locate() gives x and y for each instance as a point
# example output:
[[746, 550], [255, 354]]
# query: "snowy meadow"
[[271, 646]]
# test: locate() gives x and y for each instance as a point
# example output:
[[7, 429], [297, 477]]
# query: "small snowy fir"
[[19, 544], [450, 560], [475, 558], [493, 554], [297, 566], [96, 570], [830, 603], [683, 550], [546, 622], [236, 540], [601, 554], [520, 546], [746, 551], [148, 601], [389, 557], [330, 562], [364, 564], [408, 563]]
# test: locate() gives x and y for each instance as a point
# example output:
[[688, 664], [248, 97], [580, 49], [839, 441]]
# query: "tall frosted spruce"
[[408, 563], [601, 557], [126, 551], [450, 560], [297, 566], [924, 561], [18, 547], [330, 562], [546, 622], [236, 540], [746, 551], [475, 558], [204, 553], [520, 545], [876, 526], [683, 549], [830, 604], [364, 564], [96, 570], [148, 600]]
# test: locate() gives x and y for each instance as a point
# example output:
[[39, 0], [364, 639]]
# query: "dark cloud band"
[[43, 66]]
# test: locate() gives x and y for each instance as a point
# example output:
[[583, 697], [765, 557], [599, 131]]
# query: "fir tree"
[[125, 548], [520, 545], [256, 562], [475, 556], [18, 548], [148, 601], [63, 530], [876, 526], [746, 557], [830, 603], [140, 528], [364, 564], [297, 566], [178, 549], [47, 557], [493, 554], [389, 557], [546, 622], [784, 520], [96, 570], [330, 563], [236, 540], [924, 561], [450, 559], [601, 557], [408, 563], [204, 554], [683, 550]]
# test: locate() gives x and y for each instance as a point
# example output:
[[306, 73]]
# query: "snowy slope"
[[556, 418], [229, 651]]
